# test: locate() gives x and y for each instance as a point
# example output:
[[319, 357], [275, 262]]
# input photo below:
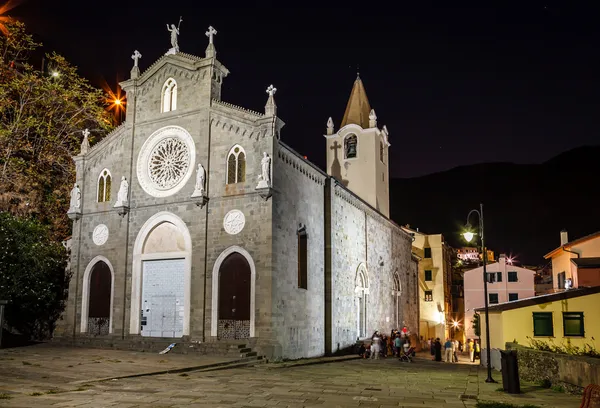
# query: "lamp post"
[[469, 236]]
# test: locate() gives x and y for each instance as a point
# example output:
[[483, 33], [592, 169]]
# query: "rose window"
[[168, 163]]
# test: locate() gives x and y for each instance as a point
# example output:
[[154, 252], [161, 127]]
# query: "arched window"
[[236, 165], [381, 151], [350, 146], [169, 96], [104, 184], [361, 291], [396, 299]]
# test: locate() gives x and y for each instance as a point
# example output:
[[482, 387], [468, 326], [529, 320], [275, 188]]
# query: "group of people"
[[451, 349], [382, 346]]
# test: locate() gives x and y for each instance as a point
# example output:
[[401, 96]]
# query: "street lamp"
[[468, 234]]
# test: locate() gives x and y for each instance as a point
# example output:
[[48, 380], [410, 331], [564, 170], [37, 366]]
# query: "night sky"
[[517, 81]]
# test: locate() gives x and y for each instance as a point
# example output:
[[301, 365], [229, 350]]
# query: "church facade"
[[193, 221]]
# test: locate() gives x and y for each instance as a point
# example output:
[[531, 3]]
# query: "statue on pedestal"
[[174, 33], [200, 181], [75, 204], [264, 180], [122, 199]]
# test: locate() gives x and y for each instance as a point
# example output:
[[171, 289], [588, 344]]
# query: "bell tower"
[[357, 154]]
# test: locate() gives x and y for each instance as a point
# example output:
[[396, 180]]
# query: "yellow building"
[[435, 284], [564, 318], [576, 260]]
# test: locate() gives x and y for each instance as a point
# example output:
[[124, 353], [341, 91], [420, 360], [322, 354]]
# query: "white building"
[[505, 283]]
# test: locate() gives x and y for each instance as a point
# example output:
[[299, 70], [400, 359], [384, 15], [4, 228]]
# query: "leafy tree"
[[33, 276], [41, 120]]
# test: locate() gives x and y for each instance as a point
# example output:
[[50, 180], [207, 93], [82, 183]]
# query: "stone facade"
[[162, 222]]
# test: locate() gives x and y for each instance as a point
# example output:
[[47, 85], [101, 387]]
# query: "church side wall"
[[361, 236], [298, 198]]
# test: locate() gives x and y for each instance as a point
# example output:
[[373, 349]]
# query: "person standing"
[[438, 349], [455, 347], [375, 345], [448, 350], [432, 348], [471, 351], [477, 350], [397, 345]]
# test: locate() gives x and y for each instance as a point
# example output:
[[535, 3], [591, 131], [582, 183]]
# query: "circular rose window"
[[166, 161]]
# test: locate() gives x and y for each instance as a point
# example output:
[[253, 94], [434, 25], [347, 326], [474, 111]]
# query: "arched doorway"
[[97, 296], [234, 297], [161, 278], [99, 309]]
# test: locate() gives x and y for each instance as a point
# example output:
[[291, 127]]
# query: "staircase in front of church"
[[238, 350]]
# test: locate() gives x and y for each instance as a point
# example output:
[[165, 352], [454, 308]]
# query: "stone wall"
[[572, 372], [298, 198], [361, 237]]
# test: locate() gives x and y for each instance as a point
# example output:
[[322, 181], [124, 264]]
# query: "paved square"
[[352, 383]]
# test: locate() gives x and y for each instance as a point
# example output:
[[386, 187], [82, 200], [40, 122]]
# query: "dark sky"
[[455, 85]]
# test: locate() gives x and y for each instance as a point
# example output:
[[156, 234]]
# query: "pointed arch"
[[214, 320], [184, 252], [396, 293], [361, 291], [169, 96], [104, 186], [236, 165], [85, 294]]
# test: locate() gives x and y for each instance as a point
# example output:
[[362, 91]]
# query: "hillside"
[[525, 206]]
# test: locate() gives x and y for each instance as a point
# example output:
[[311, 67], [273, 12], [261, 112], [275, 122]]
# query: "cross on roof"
[[135, 57], [210, 34], [271, 90], [86, 133]]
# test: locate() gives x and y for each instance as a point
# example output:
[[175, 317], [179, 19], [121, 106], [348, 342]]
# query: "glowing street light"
[[469, 236], [55, 74], [455, 324]]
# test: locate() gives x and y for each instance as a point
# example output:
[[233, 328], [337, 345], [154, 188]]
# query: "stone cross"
[[271, 90], [135, 57], [210, 34], [85, 143]]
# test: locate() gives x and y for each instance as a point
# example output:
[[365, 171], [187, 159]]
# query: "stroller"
[[407, 355]]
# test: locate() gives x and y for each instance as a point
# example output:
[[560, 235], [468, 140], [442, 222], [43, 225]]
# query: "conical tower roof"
[[358, 108]]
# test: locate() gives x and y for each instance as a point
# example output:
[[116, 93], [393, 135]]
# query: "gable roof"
[[539, 300], [572, 243], [358, 108]]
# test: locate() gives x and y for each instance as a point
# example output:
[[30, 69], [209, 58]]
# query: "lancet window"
[[236, 165]]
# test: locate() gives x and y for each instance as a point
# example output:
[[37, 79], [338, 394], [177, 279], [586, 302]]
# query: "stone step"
[[230, 348]]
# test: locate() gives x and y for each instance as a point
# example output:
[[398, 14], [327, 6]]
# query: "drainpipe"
[[578, 256]]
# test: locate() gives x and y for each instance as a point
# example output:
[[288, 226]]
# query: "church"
[[194, 222]]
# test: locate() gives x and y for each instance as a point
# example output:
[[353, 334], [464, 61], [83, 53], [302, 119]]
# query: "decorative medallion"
[[166, 161], [100, 234], [234, 222]]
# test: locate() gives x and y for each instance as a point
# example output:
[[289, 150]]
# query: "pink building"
[[505, 283]]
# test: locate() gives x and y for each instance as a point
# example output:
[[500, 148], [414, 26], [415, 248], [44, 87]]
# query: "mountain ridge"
[[525, 205]]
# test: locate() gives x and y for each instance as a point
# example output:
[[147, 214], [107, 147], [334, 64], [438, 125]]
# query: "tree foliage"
[[41, 121], [33, 276]]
